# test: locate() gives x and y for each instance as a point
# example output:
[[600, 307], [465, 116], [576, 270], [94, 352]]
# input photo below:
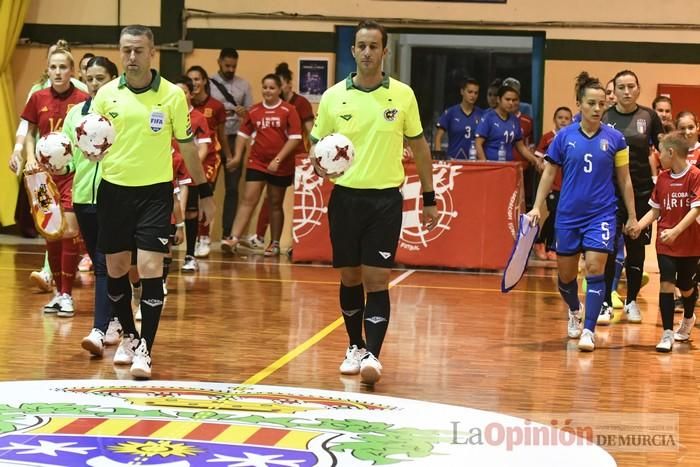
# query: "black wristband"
[[204, 190], [429, 198]]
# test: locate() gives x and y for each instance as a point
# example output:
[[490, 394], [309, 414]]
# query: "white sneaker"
[[165, 288], [94, 342], [85, 264], [370, 369], [605, 316], [666, 342], [42, 279], [633, 313], [141, 365], [272, 250], [574, 326], [54, 304], [253, 242], [125, 352], [251, 245], [587, 341], [682, 334], [66, 306], [190, 264], [114, 332], [351, 364], [203, 247]]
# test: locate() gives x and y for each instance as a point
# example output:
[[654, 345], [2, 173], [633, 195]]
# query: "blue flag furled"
[[527, 234]]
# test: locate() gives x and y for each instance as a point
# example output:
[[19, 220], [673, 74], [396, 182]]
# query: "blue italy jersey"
[[461, 130], [588, 169], [497, 132]]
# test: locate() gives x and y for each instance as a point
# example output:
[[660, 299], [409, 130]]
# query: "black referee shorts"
[[134, 217], [365, 226]]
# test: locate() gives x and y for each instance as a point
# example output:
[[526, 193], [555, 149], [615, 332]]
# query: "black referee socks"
[[119, 292], [377, 311], [352, 304], [151, 306]]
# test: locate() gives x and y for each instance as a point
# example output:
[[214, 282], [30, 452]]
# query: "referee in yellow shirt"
[[365, 211], [135, 198]]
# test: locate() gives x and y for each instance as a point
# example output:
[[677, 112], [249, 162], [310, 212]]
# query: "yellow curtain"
[[12, 13]]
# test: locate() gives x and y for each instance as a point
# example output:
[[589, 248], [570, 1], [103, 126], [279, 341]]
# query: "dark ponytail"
[[585, 81], [282, 70]]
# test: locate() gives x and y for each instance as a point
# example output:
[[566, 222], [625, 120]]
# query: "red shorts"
[[64, 183], [211, 166]]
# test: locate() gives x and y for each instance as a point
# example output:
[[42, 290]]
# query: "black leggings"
[[87, 221]]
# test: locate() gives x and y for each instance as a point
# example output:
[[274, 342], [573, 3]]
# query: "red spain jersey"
[[200, 128], [306, 113], [271, 128], [526, 125], [215, 114], [541, 150], [674, 195], [47, 108], [180, 174], [200, 132]]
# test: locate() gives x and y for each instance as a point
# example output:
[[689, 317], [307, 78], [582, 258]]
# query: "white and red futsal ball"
[[94, 135], [335, 153], [54, 151]]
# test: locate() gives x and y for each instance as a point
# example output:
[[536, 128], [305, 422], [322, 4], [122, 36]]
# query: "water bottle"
[[472, 151], [502, 152]]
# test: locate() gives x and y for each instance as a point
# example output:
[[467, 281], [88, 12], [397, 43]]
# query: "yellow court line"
[[306, 345], [294, 353]]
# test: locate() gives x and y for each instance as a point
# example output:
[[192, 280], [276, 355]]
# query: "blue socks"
[[595, 296]]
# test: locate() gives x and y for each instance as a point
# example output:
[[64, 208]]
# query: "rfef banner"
[[479, 204]]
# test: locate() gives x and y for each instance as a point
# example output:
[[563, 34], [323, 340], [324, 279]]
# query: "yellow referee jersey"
[[146, 122], [376, 121]]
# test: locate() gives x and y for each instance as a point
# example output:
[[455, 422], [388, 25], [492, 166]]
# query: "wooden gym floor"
[[454, 338]]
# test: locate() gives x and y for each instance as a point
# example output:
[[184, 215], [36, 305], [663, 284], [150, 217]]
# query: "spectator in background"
[[214, 112], [492, 93], [236, 95], [306, 115], [662, 105], [83, 65], [610, 98], [687, 123], [545, 245], [274, 127], [514, 83], [499, 131], [460, 122]]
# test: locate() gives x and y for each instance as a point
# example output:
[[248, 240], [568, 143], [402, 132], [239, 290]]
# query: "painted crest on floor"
[[183, 424]]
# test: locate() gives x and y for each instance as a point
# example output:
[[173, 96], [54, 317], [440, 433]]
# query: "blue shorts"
[[596, 235]]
